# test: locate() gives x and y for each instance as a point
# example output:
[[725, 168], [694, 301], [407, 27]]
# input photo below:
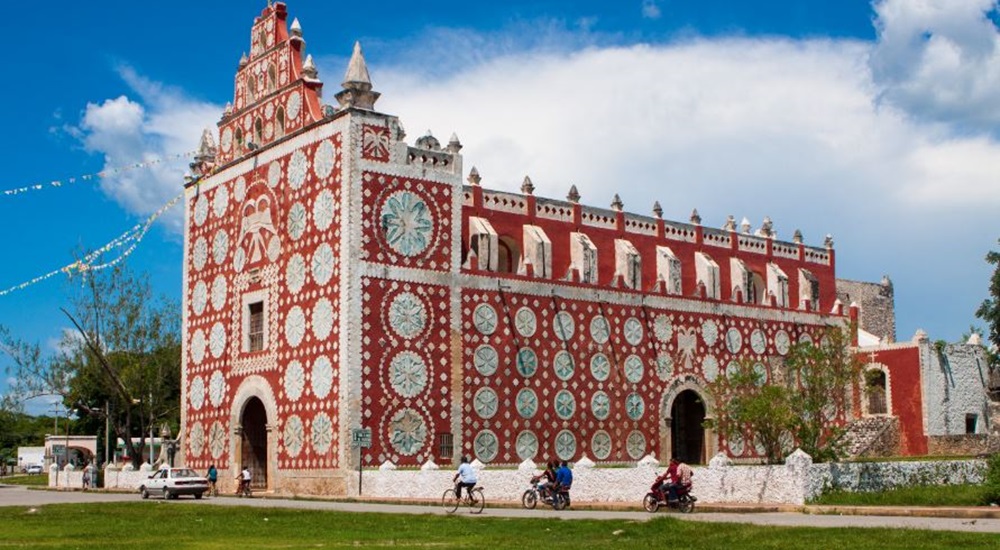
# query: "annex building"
[[337, 278]]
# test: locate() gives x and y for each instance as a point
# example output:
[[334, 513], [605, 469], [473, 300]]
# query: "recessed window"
[[970, 423], [445, 445], [280, 117], [272, 77], [256, 329]]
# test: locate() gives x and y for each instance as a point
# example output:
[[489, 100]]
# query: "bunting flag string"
[[127, 241], [103, 173]]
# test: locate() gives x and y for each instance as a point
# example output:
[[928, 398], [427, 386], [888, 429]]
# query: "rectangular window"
[[970, 423], [256, 332], [445, 444]]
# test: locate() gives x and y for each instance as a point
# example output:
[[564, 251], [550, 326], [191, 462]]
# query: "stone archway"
[[254, 439], [685, 406]]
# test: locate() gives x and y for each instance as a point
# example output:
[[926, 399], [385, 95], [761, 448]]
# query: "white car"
[[173, 482], [34, 469]]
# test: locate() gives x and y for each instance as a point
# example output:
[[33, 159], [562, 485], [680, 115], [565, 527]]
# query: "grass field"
[[40, 480], [927, 495], [186, 525]]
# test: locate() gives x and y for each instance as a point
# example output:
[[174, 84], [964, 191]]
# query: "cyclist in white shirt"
[[465, 477]]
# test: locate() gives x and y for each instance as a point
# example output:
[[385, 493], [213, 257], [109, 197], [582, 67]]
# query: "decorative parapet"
[[640, 225], [505, 202], [598, 217], [553, 210]]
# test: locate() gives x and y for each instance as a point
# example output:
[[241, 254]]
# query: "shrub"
[[991, 485]]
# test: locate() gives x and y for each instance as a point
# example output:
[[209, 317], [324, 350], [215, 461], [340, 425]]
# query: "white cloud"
[[940, 59], [160, 123], [650, 9]]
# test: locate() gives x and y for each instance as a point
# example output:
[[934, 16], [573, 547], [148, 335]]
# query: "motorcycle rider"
[[545, 479], [680, 478], [564, 480]]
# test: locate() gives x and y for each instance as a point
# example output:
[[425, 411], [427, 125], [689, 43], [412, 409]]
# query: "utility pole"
[[151, 429]]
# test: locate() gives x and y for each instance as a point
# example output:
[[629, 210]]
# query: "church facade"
[[337, 278]]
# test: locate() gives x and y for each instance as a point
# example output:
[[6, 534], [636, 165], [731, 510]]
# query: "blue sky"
[[877, 123]]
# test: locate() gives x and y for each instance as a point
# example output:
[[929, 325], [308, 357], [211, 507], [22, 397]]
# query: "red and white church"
[[338, 278]]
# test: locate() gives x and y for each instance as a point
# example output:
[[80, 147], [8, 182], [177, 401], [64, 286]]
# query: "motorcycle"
[[243, 489], [557, 499], [657, 496]]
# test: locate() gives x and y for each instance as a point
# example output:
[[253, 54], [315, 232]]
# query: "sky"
[[875, 122]]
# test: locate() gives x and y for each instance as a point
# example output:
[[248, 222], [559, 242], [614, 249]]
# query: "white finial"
[[296, 28], [357, 69]]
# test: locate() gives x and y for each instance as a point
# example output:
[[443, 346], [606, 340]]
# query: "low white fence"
[[796, 481]]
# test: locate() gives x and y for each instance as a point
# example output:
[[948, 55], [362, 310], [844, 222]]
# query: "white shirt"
[[466, 474], [246, 475]]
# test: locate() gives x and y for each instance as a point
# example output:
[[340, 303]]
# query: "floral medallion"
[[709, 332], [407, 315], [407, 223], [527, 445], [216, 440], [322, 319], [527, 362], [486, 446], [294, 380], [273, 174], [526, 403], [323, 262], [239, 259], [600, 445], [322, 377], [219, 291], [710, 368], [294, 105], [563, 326], [634, 369], [485, 360], [633, 331], [226, 140], [323, 210], [782, 343], [324, 159], [199, 297], [565, 445], [298, 166], [295, 326], [664, 366], [198, 346], [293, 436], [296, 221], [220, 203], [407, 374], [600, 367], [734, 340], [485, 319], [525, 322], [407, 432], [600, 330], [563, 364], [565, 404], [322, 433], [216, 388], [196, 395], [197, 444], [736, 444], [600, 405], [805, 338], [200, 209], [217, 340], [199, 254], [295, 273], [485, 402], [663, 328], [240, 189], [636, 444], [760, 371], [634, 406], [758, 342]]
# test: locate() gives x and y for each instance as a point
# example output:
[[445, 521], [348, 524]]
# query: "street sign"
[[361, 437]]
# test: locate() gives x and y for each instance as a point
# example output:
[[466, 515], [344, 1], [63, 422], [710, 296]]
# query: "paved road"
[[21, 496]]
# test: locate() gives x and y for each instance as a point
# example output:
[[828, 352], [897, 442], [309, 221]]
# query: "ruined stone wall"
[[878, 310], [962, 445], [955, 379]]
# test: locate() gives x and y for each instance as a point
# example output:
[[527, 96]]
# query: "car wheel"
[[198, 495], [144, 492]]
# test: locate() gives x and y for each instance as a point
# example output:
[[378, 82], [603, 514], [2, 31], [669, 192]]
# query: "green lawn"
[[157, 524], [38, 480], [928, 495]]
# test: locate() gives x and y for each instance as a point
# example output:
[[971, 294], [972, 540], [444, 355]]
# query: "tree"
[[989, 310], [799, 404], [120, 363]]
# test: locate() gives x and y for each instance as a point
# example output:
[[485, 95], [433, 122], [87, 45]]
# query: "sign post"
[[361, 438]]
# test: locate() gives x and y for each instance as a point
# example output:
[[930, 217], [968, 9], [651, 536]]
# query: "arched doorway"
[[253, 433], [687, 435]]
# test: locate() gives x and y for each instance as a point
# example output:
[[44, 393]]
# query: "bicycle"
[[474, 499]]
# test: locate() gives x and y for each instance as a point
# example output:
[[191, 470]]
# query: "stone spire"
[[828, 241], [657, 210], [296, 28], [730, 223], [745, 226], [695, 217], [244, 60], [527, 187], [616, 203], [797, 236], [573, 195], [309, 69], [357, 83], [454, 145], [206, 148], [474, 177]]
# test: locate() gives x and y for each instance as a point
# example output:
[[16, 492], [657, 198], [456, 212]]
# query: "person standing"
[[213, 478]]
